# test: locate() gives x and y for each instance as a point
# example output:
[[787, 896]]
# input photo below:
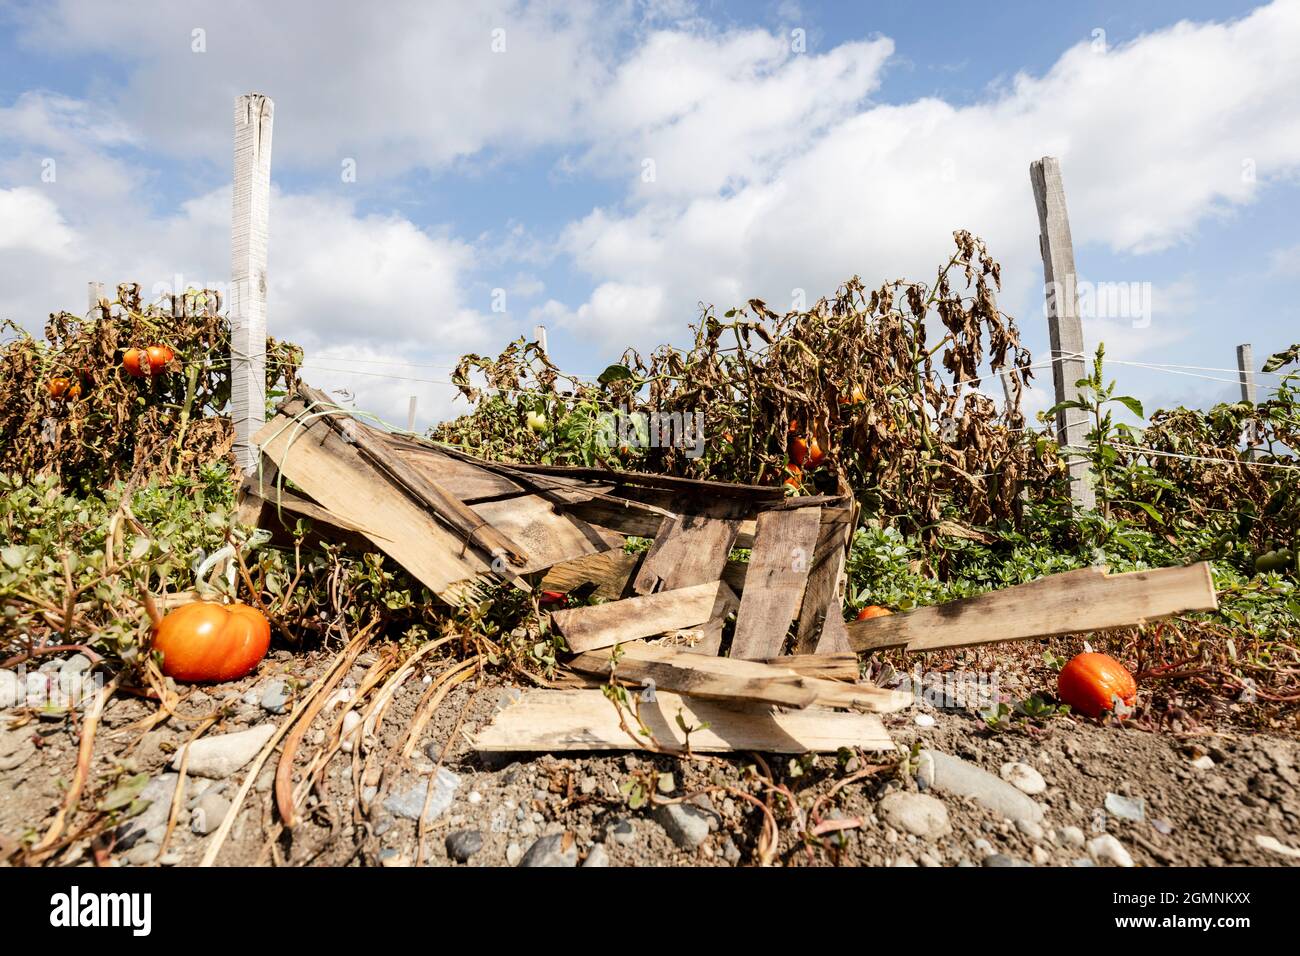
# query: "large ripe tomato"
[[1091, 682], [815, 454], [798, 450], [159, 356], [205, 641], [136, 362]]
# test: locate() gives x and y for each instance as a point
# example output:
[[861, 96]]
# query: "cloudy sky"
[[611, 166]]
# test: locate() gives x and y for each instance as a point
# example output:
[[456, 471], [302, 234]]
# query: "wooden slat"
[[333, 472], [610, 571], [706, 638], [778, 570], [450, 510], [1075, 602], [579, 720], [820, 617], [604, 625], [728, 678], [547, 537], [842, 666], [691, 550], [466, 481]]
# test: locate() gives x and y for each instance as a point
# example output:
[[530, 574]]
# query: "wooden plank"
[[1075, 602], [611, 570], [458, 516], [547, 537], [460, 478], [730, 678], [333, 472], [604, 625], [1064, 327], [250, 216], [582, 720], [690, 550], [778, 570], [706, 638], [818, 632], [826, 666]]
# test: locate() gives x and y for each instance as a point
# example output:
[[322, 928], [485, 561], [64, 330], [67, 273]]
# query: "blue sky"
[[776, 167]]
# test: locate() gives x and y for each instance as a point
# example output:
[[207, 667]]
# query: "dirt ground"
[[1201, 797]]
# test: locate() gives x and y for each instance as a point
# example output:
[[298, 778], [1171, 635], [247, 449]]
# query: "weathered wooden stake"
[[1246, 372], [410, 415], [1063, 323], [539, 336], [94, 294], [253, 119]]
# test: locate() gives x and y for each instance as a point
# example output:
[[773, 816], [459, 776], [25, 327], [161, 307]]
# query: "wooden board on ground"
[[706, 638], [1070, 603], [689, 550], [461, 478], [842, 666], [784, 543], [821, 620], [604, 625], [577, 720], [728, 678], [316, 459]]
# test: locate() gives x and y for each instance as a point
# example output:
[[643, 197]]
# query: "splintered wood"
[[561, 720], [755, 648]]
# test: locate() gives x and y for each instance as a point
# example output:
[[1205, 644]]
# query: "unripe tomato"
[[1090, 682], [873, 610], [205, 641], [536, 422]]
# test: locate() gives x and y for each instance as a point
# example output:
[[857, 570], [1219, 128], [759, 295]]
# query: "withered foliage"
[[69, 408], [891, 382]]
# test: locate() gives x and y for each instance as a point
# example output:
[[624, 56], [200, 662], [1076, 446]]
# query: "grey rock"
[[463, 844], [730, 852], [956, 776], [983, 847], [1023, 777], [1071, 836], [551, 851], [219, 757], [275, 698], [1030, 829], [621, 832], [597, 856], [915, 813], [1082, 861], [170, 858], [142, 854], [410, 802], [1040, 856], [158, 792], [588, 786], [209, 813], [514, 853], [687, 824], [1126, 808], [75, 665], [1106, 849], [1002, 859], [12, 690]]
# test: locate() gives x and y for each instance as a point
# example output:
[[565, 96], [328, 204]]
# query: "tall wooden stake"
[[96, 292], [253, 119], [1063, 323], [539, 336], [410, 415], [1246, 372]]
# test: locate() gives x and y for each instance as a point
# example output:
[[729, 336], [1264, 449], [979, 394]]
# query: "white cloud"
[[1152, 137], [30, 222]]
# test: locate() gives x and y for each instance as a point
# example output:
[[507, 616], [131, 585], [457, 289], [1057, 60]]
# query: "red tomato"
[[59, 387], [815, 454], [159, 356], [873, 610], [205, 641], [552, 597], [1090, 682], [798, 450], [136, 363]]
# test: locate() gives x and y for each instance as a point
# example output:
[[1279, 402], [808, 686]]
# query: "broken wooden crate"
[[781, 678]]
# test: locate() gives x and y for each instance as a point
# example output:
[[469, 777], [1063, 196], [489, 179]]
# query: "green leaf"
[[1132, 404], [614, 373]]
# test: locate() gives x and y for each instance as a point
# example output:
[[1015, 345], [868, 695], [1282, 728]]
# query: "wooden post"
[[539, 336], [253, 119], [1063, 323], [410, 415], [96, 293], [1246, 372]]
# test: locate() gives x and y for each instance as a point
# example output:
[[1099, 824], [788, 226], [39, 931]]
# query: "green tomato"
[[536, 422]]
